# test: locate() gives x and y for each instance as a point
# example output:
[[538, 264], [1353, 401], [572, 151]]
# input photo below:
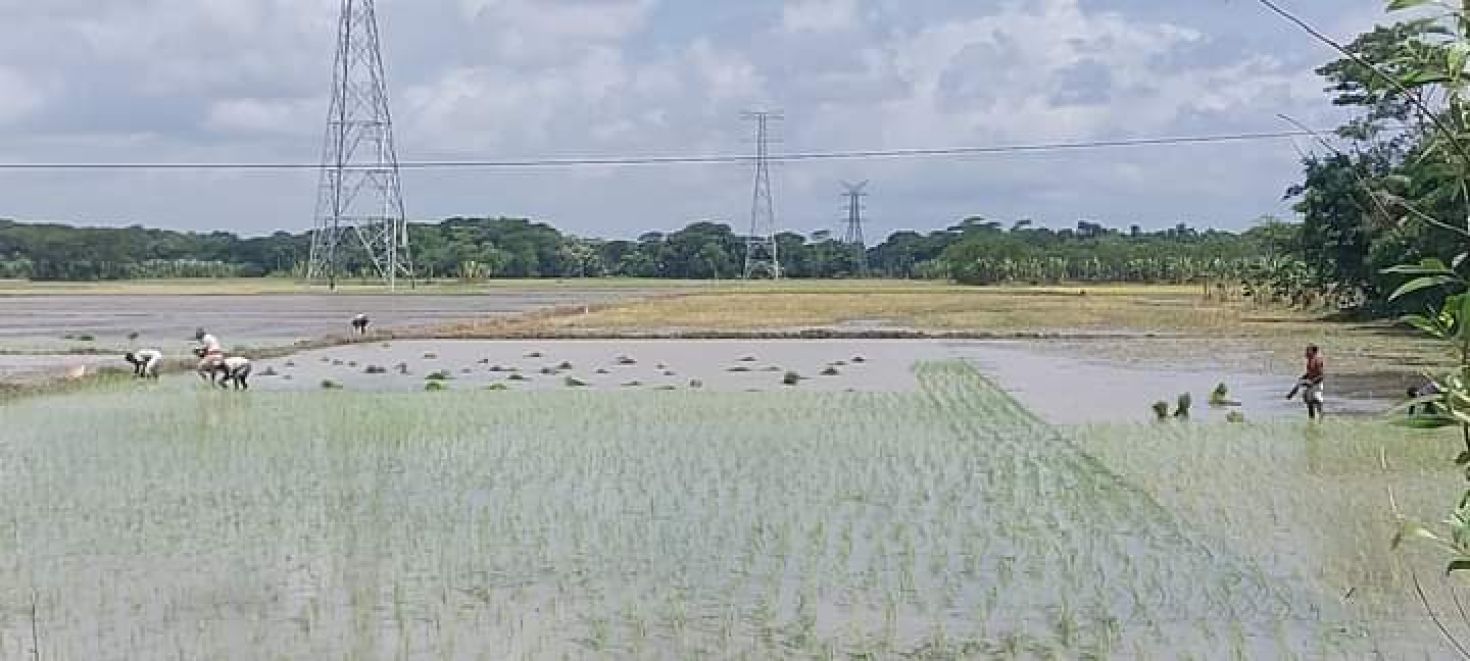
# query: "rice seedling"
[[328, 384], [436, 386], [947, 522], [574, 382], [830, 371], [441, 375], [791, 379]]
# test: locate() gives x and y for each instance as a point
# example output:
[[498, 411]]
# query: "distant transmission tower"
[[360, 202], [853, 237], [760, 250]]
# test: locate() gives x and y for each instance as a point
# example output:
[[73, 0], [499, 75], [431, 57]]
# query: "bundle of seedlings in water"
[[791, 379], [328, 384], [375, 369], [625, 361], [574, 382], [269, 371], [565, 365], [696, 384], [431, 356], [402, 368], [517, 377], [548, 371], [830, 371], [441, 375], [497, 387], [1220, 397], [602, 370], [1182, 407], [1161, 410], [535, 354], [748, 359], [435, 386], [858, 360], [738, 369], [633, 384]]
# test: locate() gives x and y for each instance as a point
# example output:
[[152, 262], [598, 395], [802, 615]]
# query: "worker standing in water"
[[1310, 383]]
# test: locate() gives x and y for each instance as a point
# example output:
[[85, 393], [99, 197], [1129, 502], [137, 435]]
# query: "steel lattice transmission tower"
[[360, 202], [853, 237], [761, 256]]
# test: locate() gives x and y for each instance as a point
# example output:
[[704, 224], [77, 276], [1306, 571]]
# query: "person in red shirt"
[[1310, 383]]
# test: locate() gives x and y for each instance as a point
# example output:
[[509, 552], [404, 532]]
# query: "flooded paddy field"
[[1062, 387], [934, 518], [51, 330], [679, 499], [43, 322]]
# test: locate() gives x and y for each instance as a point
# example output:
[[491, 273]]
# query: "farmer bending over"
[[1310, 383], [145, 363], [210, 353], [1427, 389], [236, 370]]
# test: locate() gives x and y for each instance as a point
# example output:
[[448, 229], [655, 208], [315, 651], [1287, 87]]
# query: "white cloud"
[[19, 96], [819, 15], [549, 30], [267, 116]]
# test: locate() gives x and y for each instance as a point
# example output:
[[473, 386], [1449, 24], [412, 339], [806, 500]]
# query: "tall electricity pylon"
[[761, 256], [853, 237], [360, 195]]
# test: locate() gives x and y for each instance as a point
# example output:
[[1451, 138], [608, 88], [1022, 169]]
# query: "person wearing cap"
[[211, 353]]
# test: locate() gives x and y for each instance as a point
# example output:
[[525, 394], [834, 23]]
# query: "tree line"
[[973, 251]]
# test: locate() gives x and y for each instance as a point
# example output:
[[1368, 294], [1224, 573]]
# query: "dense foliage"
[[974, 251]]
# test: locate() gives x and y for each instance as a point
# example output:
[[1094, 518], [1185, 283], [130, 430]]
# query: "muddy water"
[[1069, 387], [43, 322], [731, 366], [50, 330], [1058, 386]]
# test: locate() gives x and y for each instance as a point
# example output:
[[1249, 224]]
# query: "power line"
[[594, 161]]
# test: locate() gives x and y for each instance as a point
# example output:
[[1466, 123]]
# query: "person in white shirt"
[[211, 354], [145, 363]]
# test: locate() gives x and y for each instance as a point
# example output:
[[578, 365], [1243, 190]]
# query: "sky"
[[248, 80]]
